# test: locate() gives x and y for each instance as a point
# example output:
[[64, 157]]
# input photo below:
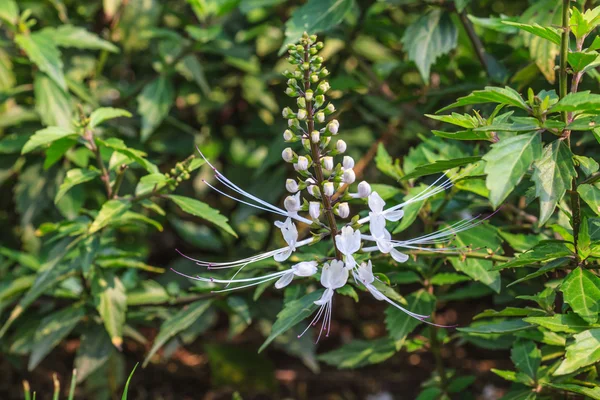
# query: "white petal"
[[384, 246], [326, 275], [350, 262], [279, 257], [365, 273], [285, 280], [377, 224], [306, 268], [376, 293], [394, 215], [376, 203], [338, 275], [326, 298], [398, 256]]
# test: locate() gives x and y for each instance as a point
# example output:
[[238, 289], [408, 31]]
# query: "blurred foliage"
[[103, 103]]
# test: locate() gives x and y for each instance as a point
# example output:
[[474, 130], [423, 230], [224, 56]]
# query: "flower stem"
[[316, 157]]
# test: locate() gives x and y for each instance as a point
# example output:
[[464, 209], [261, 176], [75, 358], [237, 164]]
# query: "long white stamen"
[[282, 213]]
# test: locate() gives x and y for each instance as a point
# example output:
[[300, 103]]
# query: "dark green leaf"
[[110, 212], [592, 393], [549, 33], [569, 323], [583, 352], [202, 210], [103, 114], [507, 326], [93, 352], [154, 103], [46, 136], [591, 195], [527, 357], [52, 103], [491, 94], [440, 166], [359, 353], [42, 50], [399, 324], [75, 177], [581, 289], [111, 303], [580, 101], [543, 251]]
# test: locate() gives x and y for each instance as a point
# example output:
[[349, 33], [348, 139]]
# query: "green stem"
[[564, 50], [481, 256], [119, 180]]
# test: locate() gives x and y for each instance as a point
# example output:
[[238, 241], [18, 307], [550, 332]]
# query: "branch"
[[475, 41]]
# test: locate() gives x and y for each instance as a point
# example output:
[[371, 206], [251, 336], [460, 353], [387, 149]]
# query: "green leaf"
[[177, 323], [428, 38], [93, 352], [507, 312], [440, 166], [202, 210], [110, 211], [553, 174], [399, 324], [292, 313], [582, 24], [591, 195], [526, 357], [43, 52], [314, 17], [154, 103], [57, 150], [490, 94], [583, 61], [465, 135], [580, 101], [136, 155], [570, 323], [411, 210], [581, 289], [482, 236], [585, 351], [52, 103], [548, 33], [46, 136], [543, 251], [507, 326], [448, 278], [111, 303], [507, 162], [385, 163], [75, 177], [75, 36], [53, 328], [9, 11], [587, 165], [592, 393], [148, 292], [126, 389], [359, 353], [106, 113]]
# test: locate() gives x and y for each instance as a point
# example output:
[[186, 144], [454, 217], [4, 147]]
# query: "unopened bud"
[[308, 95], [301, 101], [288, 135], [301, 114], [302, 163], [314, 78], [340, 146], [291, 92], [319, 100], [315, 136], [291, 186], [324, 72], [348, 162], [320, 116], [306, 144], [287, 154], [364, 189], [314, 209], [287, 113], [314, 191], [333, 126], [343, 210], [323, 87], [292, 203], [348, 176], [329, 109], [328, 189], [328, 163]]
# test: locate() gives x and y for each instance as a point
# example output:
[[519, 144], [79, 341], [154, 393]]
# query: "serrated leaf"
[[490, 94], [46, 136], [103, 114], [52, 330], [482, 236], [292, 313], [569, 323], [465, 135], [111, 302], [580, 101], [110, 211], [93, 352], [543, 251], [553, 174], [78, 37], [548, 33], [507, 312], [507, 162], [507, 326], [440, 166], [57, 150], [583, 352], [385, 163], [592, 393], [136, 155], [202, 210], [581, 289], [359, 353], [43, 52], [52, 103], [154, 103], [448, 278], [526, 357], [314, 17], [591, 195], [583, 61], [75, 177], [399, 324], [9, 11], [582, 24], [176, 324], [587, 165], [147, 292], [428, 38]]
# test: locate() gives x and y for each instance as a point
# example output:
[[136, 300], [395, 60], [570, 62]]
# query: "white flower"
[[308, 95], [306, 268], [324, 87], [291, 186], [287, 112], [340, 146], [302, 163], [343, 210], [376, 205], [348, 243], [330, 108], [293, 204], [288, 135], [301, 114], [333, 126], [314, 191], [333, 276], [328, 163], [287, 154], [348, 162], [328, 189], [348, 176], [364, 189], [314, 209], [290, 235], [301, 101], [315, 136], [320, 116], [383, 240]]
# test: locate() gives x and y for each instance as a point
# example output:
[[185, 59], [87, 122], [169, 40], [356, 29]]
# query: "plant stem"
[[475, 41], [89, 136], [316, 157], [564, 50], [119, 180], [435, 346]]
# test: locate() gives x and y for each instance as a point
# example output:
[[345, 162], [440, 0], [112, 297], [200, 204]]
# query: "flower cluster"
[[323, 190]]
